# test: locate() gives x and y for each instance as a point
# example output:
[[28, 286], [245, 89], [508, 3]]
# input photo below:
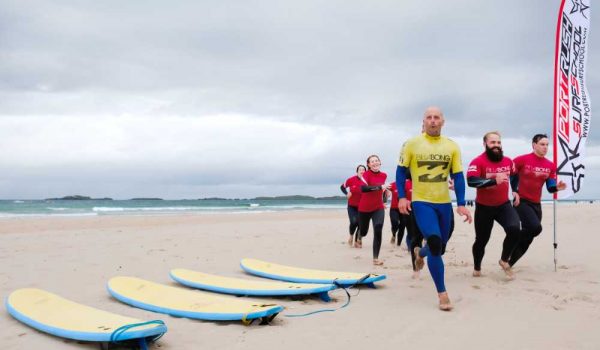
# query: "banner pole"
[[555, 244]]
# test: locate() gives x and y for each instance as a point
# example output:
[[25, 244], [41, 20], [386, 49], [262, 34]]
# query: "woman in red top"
[[352, 189], [371, 206]]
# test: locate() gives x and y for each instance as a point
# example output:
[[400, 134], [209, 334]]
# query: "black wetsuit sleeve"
[[480, 182], [514, 183], [343, 189], [370, 188]]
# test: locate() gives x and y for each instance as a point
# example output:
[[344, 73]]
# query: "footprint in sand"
[[476, 287]]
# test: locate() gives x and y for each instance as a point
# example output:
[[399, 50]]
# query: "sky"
[[237, 99]]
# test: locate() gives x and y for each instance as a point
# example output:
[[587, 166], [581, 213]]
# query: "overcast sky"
[[191, 99]]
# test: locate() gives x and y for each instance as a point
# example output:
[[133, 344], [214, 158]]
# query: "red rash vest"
[[353, 184], [484, 168], [371, 201], [533, 171], [407, 190]]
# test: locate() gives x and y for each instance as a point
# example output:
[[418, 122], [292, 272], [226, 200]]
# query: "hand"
[[349, 195], [386, 187], [501, 178], [404, 206], [516, 199], [451, 184], [561, 186], [463, 211], [388, 194]]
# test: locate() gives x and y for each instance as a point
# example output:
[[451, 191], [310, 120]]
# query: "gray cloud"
[[326, 66]]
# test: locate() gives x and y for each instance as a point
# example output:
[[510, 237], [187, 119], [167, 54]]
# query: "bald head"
[[433, 120]]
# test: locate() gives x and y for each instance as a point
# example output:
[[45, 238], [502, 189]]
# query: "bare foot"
[[350, 241], [445, 304], [419, 261], [416, 275], [507, 269], [377, 262], [476, 273], [358, 244]]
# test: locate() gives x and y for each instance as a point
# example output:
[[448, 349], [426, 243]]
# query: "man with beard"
[[489, 173], [532, 171]]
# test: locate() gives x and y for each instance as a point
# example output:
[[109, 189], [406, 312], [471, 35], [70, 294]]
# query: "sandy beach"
[[540, 309]]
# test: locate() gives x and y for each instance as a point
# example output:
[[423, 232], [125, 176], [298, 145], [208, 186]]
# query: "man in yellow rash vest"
[[431, 158]]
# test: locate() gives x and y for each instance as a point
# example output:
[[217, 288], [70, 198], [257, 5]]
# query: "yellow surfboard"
[[239, 286], [301, 275], [55, 315], [188, 303]]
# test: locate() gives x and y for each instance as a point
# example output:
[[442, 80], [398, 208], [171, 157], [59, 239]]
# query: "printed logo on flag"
[[572, 108]]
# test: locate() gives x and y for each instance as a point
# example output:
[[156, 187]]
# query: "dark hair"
[[371, 156], [361, 166], [538, 137]]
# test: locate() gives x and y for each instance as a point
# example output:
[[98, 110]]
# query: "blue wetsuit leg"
[[434, 220]]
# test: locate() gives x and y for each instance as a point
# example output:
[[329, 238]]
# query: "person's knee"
[[536, 230], [435, 245], [513, 230]]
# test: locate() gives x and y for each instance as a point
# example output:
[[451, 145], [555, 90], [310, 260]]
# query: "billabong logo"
[[438, 171]]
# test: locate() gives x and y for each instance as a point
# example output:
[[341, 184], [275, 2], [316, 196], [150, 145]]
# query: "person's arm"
[[514, 182], [459, 188], [401, 181], [343, 189], [551, 185], [366, 188], [480, 182]]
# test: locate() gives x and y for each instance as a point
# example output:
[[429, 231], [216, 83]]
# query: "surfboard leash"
[[117, 333], [335, 282]]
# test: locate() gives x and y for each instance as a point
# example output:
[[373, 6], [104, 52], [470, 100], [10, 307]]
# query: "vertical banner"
[[572, 108]]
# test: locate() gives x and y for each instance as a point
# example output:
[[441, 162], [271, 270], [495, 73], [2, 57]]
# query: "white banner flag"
[[572, 108]]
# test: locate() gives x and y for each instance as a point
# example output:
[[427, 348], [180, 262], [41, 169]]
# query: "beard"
[[494, 154]]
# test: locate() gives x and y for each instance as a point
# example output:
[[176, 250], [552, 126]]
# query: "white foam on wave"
[[159, 209], [18, 202], [8, 216]]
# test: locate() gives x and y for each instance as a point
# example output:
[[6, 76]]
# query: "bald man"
[[430, 158]]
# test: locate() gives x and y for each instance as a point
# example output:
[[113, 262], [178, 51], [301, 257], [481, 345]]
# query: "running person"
[[414, 238], [532, 171], [489, 173], [430, 157], [399, 222], [371, 206], [352, 189]]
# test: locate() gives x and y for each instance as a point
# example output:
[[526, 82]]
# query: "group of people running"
[[428, 168]]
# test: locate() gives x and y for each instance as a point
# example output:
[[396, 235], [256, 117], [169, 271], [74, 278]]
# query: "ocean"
[[36, 208], [28, 208]]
